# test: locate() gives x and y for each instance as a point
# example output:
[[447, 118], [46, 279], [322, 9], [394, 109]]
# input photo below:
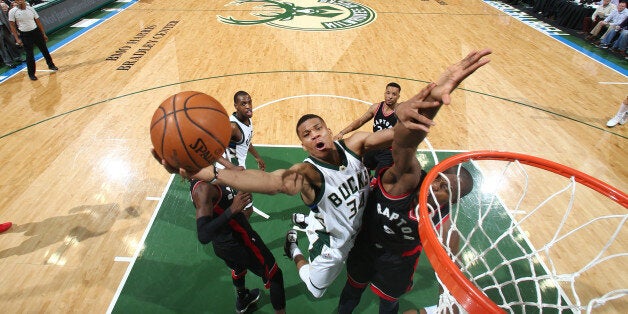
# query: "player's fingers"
[[154, 153], [446, 99]]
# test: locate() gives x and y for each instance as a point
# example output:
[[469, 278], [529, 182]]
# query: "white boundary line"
[[140, 248], [261, 213], [499, 5]]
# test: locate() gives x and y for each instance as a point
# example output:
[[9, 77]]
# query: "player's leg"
[[393, 277], [359, 273], [233, 257], [261, 262]]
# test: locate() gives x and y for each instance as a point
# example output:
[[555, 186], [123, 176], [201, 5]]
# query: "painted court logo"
[[304, 15]]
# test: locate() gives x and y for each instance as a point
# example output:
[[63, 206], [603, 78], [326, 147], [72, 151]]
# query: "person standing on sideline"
[[387, 248], [219, 220], [241, 136], [621, 116], [383, 115], [332, 181], [25, 19]]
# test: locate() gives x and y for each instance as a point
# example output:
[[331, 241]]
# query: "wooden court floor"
[[81, 187]]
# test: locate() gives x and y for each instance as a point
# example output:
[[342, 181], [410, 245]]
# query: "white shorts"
[[326, 263]]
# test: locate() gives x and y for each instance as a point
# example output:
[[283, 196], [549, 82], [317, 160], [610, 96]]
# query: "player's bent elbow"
[[204, 239]]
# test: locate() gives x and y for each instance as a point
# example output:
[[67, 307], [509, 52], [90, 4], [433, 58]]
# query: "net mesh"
[[533, 236]]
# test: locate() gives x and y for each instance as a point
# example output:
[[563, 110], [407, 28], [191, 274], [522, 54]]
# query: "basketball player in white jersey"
[[241, 136], [242, 132], [331, 180]]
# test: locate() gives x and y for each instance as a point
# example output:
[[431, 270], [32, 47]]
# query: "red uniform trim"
[[381, 187], [355, 284], [381, 294]]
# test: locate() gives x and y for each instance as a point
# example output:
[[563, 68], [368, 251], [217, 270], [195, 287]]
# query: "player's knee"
[[388, 306]]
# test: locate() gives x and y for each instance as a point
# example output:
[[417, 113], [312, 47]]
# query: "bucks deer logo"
[[308, 15]]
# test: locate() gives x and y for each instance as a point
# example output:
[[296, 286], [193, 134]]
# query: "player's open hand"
[[163, 162], [292, 182], [408, 111], [240, 201], [456, 73]]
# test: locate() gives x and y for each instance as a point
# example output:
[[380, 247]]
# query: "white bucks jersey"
[[237, 151], [340, 202]]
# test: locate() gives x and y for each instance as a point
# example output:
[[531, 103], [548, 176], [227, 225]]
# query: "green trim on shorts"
[[317, 247]]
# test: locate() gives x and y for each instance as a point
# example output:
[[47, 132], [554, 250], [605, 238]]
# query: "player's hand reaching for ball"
[[163, 162], [205, 174]]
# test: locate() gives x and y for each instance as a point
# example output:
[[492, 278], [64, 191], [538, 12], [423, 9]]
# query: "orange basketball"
[[190, 130]]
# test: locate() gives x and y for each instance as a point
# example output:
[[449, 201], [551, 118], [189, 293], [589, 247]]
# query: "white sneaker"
[[624, 119], [615, 120], [299, 220], [291, 239]]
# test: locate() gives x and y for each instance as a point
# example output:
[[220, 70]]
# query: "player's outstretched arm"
[[287, 181], [456, 73], [356, 124]]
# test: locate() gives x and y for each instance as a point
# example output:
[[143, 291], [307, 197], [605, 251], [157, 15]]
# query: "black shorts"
[[391, 275], [254, 256]]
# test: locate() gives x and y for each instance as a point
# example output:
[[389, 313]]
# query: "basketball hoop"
[[534, 236]]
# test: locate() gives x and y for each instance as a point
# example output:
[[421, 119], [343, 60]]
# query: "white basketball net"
[[536, 241]]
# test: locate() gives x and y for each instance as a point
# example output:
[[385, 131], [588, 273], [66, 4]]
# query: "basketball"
[[190, 130]]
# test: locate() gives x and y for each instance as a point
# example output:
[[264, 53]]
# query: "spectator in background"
[[612, 33], [9, 51], [621, 44], [25, 19], [615, 18], [602, 11]]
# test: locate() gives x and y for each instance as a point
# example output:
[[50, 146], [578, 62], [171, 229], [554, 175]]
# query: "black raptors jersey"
[[390, 222], [237, 231], [382, 121]]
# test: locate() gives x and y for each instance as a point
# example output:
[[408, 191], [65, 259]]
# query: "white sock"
[[431, 309], [294, 250], [622, 109]]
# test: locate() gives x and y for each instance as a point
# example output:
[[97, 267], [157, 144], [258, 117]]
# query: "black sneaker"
[[53, 68], [299, 220], [242, 304], [33, 77], [291, 237]]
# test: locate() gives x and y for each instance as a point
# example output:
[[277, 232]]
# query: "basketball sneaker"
[[291, 243], [617, 119], [248, 299], [5, 226], [299, 220]]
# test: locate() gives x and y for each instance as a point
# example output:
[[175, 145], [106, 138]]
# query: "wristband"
[[215, 175]]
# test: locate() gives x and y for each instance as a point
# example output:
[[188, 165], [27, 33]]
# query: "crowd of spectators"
[[602, 23]]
